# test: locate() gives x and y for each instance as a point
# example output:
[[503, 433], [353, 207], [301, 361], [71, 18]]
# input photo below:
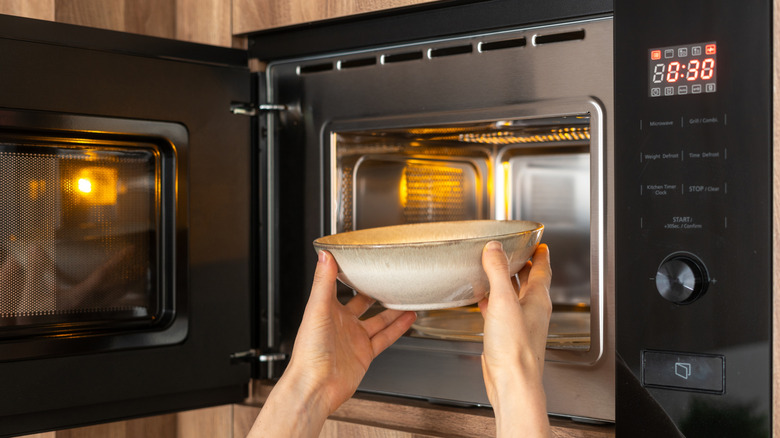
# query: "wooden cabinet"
[[363, 416], [253, 15], [200, 21]]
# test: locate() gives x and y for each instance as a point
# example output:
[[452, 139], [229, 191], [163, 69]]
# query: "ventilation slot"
[[559, 37], [449, 51], [314, 68], [500, 45], [401, 57], [352, 63]]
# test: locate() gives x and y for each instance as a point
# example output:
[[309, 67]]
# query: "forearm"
[[519, 403], [290, 411]]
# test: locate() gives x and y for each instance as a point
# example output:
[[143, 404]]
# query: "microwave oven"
[[159, 201]]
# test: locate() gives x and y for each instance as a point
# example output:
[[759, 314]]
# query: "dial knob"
[[682, 278]]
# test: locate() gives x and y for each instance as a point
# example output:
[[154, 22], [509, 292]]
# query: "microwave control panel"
[[693, 209]]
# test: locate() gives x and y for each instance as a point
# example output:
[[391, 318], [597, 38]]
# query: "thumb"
[[323, 285], [496, 266]]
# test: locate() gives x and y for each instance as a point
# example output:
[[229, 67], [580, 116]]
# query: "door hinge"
[[255, 355], [251, 109]]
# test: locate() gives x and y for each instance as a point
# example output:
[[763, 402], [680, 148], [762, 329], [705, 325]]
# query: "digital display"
[[681, 70]]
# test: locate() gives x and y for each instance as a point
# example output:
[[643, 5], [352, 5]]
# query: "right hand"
[[515, 337]]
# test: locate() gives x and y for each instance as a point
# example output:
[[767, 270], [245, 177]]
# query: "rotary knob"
[[682, 278]]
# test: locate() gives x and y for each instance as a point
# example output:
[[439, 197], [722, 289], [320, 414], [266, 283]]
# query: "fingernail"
[[322, 257], [494, 245]]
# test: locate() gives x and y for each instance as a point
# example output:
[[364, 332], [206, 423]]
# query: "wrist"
[[293, 409], [518, 400]]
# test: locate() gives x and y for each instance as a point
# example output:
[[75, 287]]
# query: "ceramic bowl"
[[427, 266]]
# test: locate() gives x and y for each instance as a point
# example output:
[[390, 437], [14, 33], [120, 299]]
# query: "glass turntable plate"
[[568, 329]]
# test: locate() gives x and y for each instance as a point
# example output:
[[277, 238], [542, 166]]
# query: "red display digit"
[[693, 70], [674, 72], [707, 68]]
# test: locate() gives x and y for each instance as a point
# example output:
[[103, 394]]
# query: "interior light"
[[97, 185], [84, 185]]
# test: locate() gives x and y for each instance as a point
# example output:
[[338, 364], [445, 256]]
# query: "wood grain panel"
[[420, 418], [39, 9], [216, 422], [342, 429], [147, 17], [151, 17], [252, 15], [161, 426], [105, 14], [243, 419], [204, 21]]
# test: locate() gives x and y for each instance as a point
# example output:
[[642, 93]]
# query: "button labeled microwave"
[[684, 371]]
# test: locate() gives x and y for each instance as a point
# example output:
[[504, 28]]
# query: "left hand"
[[334, 347], [330, 356]]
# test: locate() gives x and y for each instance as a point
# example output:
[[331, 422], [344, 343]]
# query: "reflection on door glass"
[[78, 235]]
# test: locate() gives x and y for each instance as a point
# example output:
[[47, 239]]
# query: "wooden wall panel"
[[105, 14], [201, 21], [342, 429], [148, 17], [252, 15], [163, 426], [204, 21], [151, 17], [39, 9], [216, 422], [243, 419]]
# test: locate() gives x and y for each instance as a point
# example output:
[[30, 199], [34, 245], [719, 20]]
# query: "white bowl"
[[427, 266]]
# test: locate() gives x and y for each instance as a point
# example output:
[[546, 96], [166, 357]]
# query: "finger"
[[540, 274], [522, 275], [324, 283], [394, 330], [359, 304], [378, 322], [496, 266]]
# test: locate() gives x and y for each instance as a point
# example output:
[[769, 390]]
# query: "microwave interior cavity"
[[518, 169]]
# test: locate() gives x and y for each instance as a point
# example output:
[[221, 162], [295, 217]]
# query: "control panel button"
[[695, 372], [681, 278]]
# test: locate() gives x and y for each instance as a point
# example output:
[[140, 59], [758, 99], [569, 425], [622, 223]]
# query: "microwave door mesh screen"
[[77, 233]]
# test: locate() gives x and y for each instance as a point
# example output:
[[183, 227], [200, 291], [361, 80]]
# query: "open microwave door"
[[126, 198]]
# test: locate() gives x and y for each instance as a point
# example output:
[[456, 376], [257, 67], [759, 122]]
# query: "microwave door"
[[126, 200]]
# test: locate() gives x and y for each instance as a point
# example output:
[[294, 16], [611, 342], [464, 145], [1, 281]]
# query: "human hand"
[[517, 316], [330, 356]]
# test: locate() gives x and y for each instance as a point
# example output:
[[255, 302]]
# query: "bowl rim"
[[318, 244]]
